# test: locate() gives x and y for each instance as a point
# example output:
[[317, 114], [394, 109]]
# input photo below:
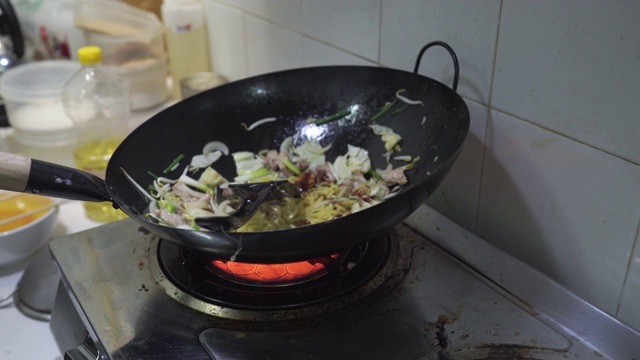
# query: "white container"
[[32, 96], [56, 36], [187, 44], [132, 46]]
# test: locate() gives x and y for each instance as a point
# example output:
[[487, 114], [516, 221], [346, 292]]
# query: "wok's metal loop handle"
[[456, 67]]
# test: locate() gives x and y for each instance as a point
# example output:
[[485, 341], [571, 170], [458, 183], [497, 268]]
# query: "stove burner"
[[269, 274], [272, 286]]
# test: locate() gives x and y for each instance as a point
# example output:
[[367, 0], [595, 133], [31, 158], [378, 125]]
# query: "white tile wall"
[[286, 13], [225, 27], [551, 167], [628, 310], [457, 196], [572, 67], [470, 27], [352, 25], [562, 206], [316, 53], [271, 47]]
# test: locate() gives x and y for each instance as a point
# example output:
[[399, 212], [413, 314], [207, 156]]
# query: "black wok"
[[292, 97]]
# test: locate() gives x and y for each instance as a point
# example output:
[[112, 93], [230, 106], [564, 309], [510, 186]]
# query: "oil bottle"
[[98, 103]]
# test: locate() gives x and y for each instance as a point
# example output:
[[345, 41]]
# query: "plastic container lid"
[[36, 81]]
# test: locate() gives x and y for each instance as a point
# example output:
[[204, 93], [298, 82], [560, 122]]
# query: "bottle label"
[[183, 28]]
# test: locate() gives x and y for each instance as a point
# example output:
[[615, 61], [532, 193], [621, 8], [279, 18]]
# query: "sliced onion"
[[195, 183], [213, 146], [211, 152], [140, 188], [204, 160], [405, 158], [260, 122], [286, 145], [166, 180], [407, 100]]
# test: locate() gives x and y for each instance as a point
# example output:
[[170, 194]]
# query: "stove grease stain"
[[440, 331]]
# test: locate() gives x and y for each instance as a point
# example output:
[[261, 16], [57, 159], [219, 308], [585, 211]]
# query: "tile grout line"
[[245, 40], [626, 275], [488, 125], [565, 136], [379, 59]]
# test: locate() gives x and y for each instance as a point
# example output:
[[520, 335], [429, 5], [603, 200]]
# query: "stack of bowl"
[[26, 225]]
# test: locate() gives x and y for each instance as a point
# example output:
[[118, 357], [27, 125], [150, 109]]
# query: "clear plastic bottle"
[[187, 44], [98, 103]]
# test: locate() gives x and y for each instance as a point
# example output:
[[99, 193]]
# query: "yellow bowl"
[[23, 237]]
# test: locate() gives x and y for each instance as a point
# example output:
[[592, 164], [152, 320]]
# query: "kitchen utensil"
[[251, 197], [434, 132], [11, 46], [10, 26]]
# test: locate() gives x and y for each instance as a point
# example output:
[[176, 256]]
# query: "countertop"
[[20, 336], [24, 338]]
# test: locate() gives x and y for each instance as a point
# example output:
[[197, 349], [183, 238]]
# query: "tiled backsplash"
[[551, 169]]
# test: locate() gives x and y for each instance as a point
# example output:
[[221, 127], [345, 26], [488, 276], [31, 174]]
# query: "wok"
[[435, 132]]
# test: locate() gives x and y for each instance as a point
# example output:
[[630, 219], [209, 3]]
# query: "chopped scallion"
[[333, 117], [398, 111], [171, 208], [174, 163], [384, 110], [291, 166]]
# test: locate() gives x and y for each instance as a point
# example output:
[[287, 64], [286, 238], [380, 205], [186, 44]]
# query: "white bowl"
[[21, 239]]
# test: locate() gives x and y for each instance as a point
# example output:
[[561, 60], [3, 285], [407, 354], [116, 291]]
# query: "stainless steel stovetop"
[[115, 303]]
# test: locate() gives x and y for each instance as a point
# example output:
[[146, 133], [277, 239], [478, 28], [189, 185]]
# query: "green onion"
[[193, 183], [291, 166], [333, 117], [384, 110], [174, 163], [375, 174], [152, 174], [253, 175], [398, 111], [171, 208]]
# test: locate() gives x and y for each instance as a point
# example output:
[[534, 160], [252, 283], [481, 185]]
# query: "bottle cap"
[[89, 55]]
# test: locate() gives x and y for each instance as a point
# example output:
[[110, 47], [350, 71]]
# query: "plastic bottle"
[[98, 103], [187, 44]]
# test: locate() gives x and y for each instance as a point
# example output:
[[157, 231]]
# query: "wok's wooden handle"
[[22, 174], [14, 172]]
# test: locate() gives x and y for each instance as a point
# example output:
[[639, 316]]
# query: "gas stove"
[[126, 294]]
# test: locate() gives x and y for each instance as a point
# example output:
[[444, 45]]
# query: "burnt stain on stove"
[[440, 331], [438, 327], [449, 350]]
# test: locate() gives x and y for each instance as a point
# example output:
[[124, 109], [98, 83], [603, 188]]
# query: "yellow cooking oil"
[[93, 156]]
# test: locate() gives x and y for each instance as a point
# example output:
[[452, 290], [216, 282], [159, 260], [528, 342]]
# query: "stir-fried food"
[[327, 189]]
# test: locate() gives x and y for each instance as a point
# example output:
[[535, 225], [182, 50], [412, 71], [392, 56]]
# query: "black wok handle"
[[456, 67], [22, 174]]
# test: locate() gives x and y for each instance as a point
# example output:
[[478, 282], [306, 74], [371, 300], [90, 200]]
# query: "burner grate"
[[272, 286]]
